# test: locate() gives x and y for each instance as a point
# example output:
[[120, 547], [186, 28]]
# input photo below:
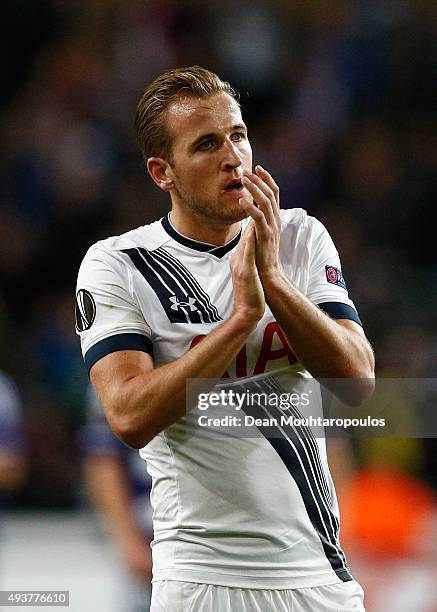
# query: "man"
[[240, 523]]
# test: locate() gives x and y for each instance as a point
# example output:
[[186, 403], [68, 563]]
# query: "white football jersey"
[[248, 512]]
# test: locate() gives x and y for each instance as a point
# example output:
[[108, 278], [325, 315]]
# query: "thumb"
[[249, 247]]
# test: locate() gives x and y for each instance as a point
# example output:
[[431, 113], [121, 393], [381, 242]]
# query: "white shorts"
[[175, 596]]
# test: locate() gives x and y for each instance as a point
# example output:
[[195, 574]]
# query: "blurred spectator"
[[118, 486], [389, 534], [12, 447], [379, 523]]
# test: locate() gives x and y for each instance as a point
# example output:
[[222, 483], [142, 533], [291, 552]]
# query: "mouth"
[[234, 186]]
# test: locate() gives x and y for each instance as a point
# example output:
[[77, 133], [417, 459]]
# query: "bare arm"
[[140, 401], [12, 471], [109, 490], [327, 348]]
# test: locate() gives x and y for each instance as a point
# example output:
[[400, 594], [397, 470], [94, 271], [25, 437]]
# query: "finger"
[[263, 185], [257, 215], [269, 180], [261, 193]]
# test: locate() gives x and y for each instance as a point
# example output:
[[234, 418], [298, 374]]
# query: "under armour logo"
[[177, 304]]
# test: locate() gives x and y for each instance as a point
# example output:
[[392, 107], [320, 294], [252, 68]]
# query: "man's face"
[[210, 151]]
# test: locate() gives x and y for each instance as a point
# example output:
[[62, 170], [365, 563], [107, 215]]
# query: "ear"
[[160, 171]]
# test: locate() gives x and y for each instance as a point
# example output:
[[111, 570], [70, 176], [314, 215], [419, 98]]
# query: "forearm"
[[326, 349], [140, 406], [12, 472], [111, 496]]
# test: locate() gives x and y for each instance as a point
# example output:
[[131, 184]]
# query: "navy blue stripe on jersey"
[[309, 451], [204, 247], [119, 342], [338, 310], [170, 294], [219, 251], [189, 242], [306, 435], [297, 458], [310, 442], [318, 518], [181, 296], [192, 285]]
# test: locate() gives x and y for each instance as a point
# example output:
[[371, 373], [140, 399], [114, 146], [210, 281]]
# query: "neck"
[[195, 227]]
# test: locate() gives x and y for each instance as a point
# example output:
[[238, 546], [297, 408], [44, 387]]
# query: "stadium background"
[[340, 99]]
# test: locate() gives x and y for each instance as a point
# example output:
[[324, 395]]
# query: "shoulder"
[[293, 216], [110, 251], [297, 222], [150, 236], [299, 218]]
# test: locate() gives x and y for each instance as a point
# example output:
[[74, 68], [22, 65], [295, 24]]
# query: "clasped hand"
[[266, 218], [257, 255]]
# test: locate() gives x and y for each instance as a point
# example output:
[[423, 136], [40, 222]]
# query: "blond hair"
[[150, 124]]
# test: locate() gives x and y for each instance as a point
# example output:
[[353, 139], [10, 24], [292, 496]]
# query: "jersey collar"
[[218, 251]]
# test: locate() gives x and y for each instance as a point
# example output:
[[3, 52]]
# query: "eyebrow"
[[238, 126]]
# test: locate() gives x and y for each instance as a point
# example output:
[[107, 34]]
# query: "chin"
[[232, 216], [219, 212]]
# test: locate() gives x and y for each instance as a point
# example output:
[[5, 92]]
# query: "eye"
[[205, 145], [238, 136]]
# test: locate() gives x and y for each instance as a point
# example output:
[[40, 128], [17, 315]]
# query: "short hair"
[[151, 132]]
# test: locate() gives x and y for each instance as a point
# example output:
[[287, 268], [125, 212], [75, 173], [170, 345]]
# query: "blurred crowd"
[[340, 101]]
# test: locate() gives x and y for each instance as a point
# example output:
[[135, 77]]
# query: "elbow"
[[361, 390], [131, 431], [129, 418], [359, 382], [356, 390]]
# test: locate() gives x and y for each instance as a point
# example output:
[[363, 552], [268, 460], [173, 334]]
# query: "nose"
[[232, 156]]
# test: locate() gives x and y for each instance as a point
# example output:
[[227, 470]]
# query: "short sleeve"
[[108, 318], [326, 283]]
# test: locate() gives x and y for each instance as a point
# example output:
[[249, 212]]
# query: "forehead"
[[188, 117]]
